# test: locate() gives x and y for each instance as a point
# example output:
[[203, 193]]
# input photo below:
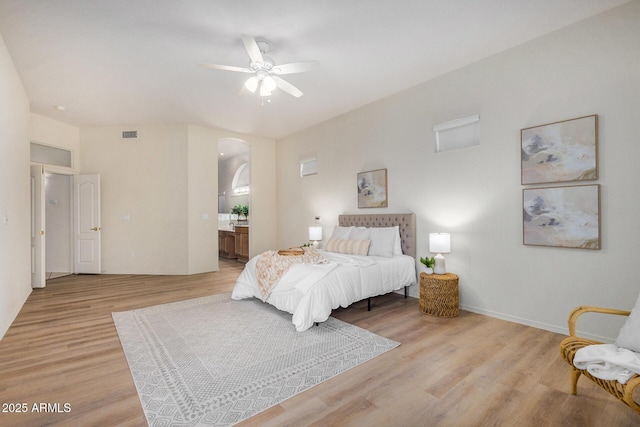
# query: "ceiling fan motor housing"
[[266, 65], [264, 46]]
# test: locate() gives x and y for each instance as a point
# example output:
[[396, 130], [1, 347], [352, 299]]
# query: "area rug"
[[214, 361]]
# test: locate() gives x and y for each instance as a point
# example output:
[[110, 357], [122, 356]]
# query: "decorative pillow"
[[359, 233], [347, 246], [397, 247], [341, 232], [383, 241], [629, 336]]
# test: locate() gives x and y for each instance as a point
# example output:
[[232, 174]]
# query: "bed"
[[311, 291]]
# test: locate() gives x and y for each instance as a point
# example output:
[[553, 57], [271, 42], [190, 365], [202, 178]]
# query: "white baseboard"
[[414, 291], [540, 325]]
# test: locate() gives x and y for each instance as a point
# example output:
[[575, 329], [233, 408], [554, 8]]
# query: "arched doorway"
[[234, 197]]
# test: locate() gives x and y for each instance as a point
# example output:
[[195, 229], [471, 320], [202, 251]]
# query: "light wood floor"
[[471, 370]]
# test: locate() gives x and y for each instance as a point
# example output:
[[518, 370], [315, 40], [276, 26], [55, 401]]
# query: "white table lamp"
[[439, 243], [315, 234]]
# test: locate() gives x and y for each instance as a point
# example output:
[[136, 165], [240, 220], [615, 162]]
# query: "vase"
[[427, 270]]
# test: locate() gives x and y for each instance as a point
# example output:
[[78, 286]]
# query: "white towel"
[[608, 362]]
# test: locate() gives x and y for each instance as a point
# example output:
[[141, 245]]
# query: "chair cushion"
[[629, 336]]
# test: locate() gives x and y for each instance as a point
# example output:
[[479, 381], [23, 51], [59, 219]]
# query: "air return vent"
[[129, 134]]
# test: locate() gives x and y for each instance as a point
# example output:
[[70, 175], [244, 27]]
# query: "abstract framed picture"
[[372, 189], [560, 152], [565, 217]]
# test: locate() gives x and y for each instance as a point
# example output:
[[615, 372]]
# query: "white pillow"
[[397, 247], [341, 232], [346, 246], [629, 336], [359, 233], [383, 241]]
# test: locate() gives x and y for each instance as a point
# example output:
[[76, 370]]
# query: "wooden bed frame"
[[406, 223]]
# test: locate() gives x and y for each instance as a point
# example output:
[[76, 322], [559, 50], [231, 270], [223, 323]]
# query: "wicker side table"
[[439, 294]]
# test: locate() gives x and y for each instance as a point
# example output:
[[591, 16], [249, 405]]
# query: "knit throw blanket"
[[270, 267]]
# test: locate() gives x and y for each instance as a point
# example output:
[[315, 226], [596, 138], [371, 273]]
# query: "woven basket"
[[439, 295], [291, 252]]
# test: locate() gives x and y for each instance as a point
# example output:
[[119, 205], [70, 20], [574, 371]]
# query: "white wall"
[[262, 209], [155, 190], [203, 199], [475, 193], [144, 198], [15, 279]]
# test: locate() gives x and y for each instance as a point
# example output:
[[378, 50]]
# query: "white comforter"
[[310, 292]]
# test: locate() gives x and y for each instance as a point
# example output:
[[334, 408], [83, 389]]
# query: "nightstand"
[[439, 294]]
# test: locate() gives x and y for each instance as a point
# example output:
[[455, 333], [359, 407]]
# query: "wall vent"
[[458, 133], [129, 134], [308, 167]]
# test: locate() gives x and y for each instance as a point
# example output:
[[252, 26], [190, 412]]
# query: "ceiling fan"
[[265, 71]]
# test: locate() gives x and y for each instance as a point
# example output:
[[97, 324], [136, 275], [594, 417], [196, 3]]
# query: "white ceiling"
[[128, 62]]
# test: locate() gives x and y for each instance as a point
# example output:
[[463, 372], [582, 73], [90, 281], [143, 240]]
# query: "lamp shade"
[[269, 84], [264, 90], [251, 84], [315, 233], [439, 243]]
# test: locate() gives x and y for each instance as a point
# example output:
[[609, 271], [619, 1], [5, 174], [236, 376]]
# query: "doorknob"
[[95, 229]]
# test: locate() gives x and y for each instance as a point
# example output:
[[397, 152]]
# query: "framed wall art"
[[566, 217], [372, 189], [560, 152]]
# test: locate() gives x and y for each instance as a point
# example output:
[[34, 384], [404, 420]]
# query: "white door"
[[86, 224], [38, 246]]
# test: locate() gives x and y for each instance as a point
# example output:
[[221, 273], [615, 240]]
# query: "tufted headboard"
[[406, 223]]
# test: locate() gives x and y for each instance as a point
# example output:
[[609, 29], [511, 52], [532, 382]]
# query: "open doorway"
[[51, 225], [65, 216], [58, 223], [65, 230], [234, 198]]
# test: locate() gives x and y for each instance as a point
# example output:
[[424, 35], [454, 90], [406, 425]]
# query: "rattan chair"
[[570, 345]]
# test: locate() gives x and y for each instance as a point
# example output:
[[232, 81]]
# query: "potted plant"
[[242, 211], [428, 264]]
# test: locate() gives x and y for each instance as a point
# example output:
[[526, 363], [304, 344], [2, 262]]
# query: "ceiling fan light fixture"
[[251, 84], [264, 90], [261, 66], [269, 84]]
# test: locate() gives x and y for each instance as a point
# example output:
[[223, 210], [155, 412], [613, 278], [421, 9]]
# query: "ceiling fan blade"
[[295, 67], [227, 68], [287, 87], [252, 48]]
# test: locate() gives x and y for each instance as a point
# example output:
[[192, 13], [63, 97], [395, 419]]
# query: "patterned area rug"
[[214, 361]]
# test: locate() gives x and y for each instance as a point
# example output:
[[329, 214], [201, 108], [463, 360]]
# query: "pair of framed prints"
[[555, 215]]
